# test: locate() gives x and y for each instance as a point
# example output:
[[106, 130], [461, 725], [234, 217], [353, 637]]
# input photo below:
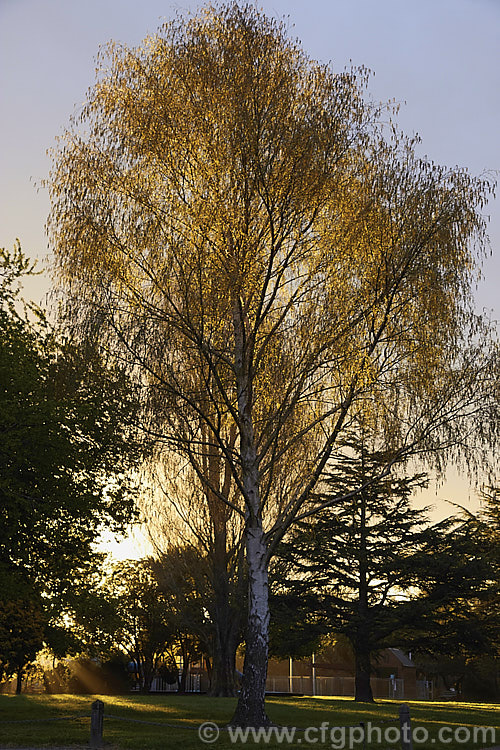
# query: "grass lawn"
[[188, 712]]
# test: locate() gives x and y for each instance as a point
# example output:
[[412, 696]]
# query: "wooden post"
[[314, 674], [96, 724], [405, 727]]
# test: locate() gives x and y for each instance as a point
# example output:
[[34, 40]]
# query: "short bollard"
[[96, 724], [405, 726]]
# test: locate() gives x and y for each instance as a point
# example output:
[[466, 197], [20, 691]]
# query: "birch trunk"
[[250, 710]]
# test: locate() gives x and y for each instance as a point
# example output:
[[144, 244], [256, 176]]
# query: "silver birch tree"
[[229, 218]]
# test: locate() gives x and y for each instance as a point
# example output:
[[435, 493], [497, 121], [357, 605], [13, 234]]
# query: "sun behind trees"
[[229, 220], [184, 510]]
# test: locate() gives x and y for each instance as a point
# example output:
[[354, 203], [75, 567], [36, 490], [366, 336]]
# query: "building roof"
[[401, 656]]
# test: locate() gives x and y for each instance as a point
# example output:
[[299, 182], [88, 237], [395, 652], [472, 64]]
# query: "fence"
[[193, 685], [425, 690], [344, 686], [97, 717]]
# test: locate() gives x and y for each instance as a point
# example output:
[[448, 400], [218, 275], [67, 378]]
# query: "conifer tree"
[[350, 563], [374, 568]]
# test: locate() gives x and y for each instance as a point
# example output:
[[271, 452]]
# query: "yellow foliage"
[[269, 257]]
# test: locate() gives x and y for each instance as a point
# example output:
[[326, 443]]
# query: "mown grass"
[[189, 712]]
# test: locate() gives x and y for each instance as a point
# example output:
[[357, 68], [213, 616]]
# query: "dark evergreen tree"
[[352, 559], [373, 568], [457, 615]]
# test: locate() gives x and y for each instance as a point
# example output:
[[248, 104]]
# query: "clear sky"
[[440, 58]]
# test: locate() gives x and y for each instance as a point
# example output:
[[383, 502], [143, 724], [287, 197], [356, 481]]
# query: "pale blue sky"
[[441, 57]]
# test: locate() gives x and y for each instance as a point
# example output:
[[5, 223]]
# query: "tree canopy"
[[232, 220], [67, 456]]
